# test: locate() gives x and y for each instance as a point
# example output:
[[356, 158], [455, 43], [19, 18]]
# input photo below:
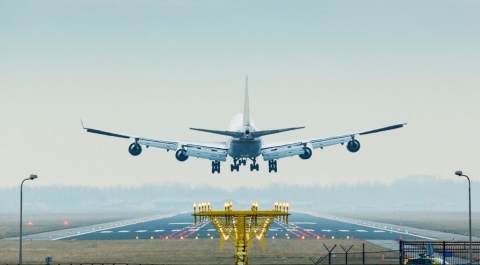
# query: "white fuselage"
[[245, 146]]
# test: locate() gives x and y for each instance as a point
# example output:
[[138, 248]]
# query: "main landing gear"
[[254, 165], [237, 162], [216, 166], [272, 165]]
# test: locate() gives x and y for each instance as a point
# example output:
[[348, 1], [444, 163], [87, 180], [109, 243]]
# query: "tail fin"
[[246, 108]]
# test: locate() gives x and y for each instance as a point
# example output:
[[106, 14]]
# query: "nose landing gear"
[[237, 162]]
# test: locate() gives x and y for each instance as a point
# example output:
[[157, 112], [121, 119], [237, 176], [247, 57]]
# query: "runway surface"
[[181, 226]]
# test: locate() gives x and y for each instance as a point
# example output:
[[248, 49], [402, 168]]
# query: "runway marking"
[[124, 231], [180, 223], [326, 230], [156, 231], [303, 223], [141, 231], [273, 229], [378, 231], [209, 230], [105, 232], [308, 230], [291, 229], [176, 230], [193, 229], [362, 231], [368, 225], [93, 230], [343, 230]]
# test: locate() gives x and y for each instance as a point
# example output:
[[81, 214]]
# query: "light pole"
[[32, 177], [460, 173]]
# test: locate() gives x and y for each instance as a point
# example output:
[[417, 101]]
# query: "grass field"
[[10, 223], [191, 251], [450, 222]]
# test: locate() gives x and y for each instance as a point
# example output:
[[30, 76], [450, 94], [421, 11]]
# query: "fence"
[[343, 255], [453, 252]]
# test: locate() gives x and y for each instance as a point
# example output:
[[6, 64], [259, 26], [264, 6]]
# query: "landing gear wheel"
[[272, 165], [215, 167], [254, 165], [236, 165]]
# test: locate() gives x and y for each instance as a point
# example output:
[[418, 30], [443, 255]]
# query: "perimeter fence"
[[344, 255], [444, 252]]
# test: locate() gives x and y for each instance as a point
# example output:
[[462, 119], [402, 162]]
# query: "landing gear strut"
[[216, 166], [254, 165], [235, 165], [237, 162], [272, 165]]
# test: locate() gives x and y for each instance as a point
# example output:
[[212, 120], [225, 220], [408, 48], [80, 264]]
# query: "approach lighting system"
[[242, 227]]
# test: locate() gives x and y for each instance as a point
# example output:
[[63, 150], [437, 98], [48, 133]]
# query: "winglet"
[[246, 107], [82, 123]]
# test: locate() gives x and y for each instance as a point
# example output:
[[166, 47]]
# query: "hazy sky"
[[156, 68]]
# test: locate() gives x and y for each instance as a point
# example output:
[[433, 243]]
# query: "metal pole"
[[470, 219], [32, 177], [21, 208], [460, 173]]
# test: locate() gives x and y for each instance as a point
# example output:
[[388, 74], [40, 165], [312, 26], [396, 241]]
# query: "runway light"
[[151, 237], [211, 237], [333, 237], [65, 223], [30, 223], [136, 237]]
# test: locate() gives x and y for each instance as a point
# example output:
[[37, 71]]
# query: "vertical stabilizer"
[[246, 108]]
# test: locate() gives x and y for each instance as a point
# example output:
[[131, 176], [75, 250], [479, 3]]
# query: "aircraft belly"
[[245, 149]]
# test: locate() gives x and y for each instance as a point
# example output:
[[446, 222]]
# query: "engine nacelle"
[[135, 149], [353, 146], [181, 155], [307, 154]]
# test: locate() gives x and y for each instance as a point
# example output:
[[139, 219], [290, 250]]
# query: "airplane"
[[245, 142]]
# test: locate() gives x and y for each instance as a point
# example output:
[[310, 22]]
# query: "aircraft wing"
[[216, 151], [273, 151]]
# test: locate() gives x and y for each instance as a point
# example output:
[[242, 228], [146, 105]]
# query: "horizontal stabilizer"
[[267, 132], [227, 133], [384, 129]]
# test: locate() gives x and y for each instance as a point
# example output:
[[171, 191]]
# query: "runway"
[[180, 226]]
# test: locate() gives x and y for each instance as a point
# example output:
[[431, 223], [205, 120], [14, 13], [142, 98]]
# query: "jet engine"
[[353, 146], [307, 154], [135, 149], [181, 155]]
